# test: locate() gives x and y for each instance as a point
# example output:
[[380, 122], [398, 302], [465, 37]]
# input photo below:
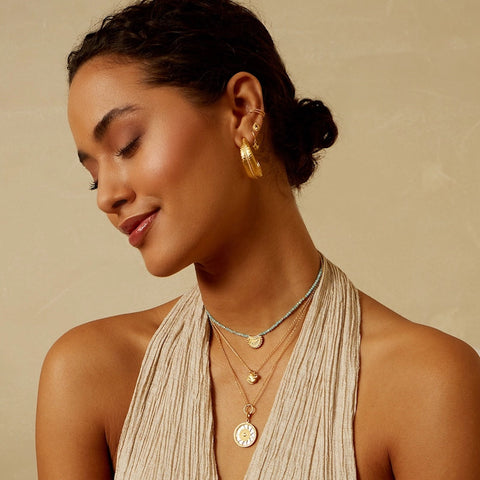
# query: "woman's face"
[[166, 170]]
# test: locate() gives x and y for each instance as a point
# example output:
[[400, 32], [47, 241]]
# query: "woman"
[[274, 366]]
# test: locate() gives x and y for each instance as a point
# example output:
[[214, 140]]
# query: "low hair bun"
[[310, 128], [317, 128]]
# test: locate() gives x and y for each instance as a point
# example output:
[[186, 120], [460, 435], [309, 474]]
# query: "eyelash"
[[130, 149], [126, 151]]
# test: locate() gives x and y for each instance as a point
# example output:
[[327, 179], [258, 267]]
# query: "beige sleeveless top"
[[169, 432]]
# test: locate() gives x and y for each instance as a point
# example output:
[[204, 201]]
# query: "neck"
[[253, 282]]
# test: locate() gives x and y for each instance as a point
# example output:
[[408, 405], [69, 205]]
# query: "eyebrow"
[[102, 126]]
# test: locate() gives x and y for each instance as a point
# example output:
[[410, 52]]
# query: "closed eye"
[[127, 152], [130, 149]]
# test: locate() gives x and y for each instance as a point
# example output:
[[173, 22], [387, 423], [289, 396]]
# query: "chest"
[[371, 455], [296, 414], [232, 461], [229, 397]]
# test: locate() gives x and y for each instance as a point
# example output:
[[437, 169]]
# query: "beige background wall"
[[395, 203]]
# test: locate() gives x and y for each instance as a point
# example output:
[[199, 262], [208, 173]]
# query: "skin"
[[419, 389]]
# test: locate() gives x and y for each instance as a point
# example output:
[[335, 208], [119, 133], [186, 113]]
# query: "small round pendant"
[[245, 435], [253, 378], [255, 341]]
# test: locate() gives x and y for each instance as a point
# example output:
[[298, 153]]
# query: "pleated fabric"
[[169, 432]]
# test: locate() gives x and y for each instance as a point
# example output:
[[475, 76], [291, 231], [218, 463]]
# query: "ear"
[[245, 100]]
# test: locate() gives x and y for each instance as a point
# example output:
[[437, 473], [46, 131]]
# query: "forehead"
[[101, 84]]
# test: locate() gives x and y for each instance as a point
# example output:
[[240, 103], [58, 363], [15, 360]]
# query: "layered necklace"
[[256, 341], [245, 434]]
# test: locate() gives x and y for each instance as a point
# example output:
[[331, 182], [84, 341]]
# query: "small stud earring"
[[256, 127]]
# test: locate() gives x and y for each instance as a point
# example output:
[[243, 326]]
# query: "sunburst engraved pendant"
[[253, 377], [245, 435], [255, 341]]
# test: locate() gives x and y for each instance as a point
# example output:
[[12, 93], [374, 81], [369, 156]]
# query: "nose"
[[113, 191]]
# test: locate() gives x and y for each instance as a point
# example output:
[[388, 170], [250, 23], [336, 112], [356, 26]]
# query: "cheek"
[[162, 168], [189, 157]]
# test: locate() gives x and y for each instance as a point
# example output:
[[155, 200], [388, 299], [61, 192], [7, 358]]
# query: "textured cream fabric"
[[168, 432]]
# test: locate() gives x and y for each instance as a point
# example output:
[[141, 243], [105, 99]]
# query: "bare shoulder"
[[105, 347], [86, 384], [401, 342], [419, 391], [105, 337]]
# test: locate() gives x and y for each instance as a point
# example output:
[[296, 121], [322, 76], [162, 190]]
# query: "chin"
[[160, 266]]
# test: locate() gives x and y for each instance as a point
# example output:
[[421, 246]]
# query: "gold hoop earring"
[[250, 163]]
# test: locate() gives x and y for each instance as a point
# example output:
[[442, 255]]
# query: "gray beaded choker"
[[256, 341]]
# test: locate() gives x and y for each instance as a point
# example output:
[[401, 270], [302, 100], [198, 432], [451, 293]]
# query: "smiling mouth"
[[131, 223], [137, 227]]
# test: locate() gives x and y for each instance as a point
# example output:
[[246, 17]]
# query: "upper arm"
[[70, 434], [435, 415]]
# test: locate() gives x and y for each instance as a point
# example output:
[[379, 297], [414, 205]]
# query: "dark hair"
[[199, 45]]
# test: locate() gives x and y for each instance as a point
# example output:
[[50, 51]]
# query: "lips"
[[136, 227]]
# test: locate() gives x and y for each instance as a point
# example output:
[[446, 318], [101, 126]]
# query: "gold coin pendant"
[[245, 435], [255, 341]]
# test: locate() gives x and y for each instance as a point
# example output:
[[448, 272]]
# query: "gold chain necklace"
[[254, 373], [245, 433]]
